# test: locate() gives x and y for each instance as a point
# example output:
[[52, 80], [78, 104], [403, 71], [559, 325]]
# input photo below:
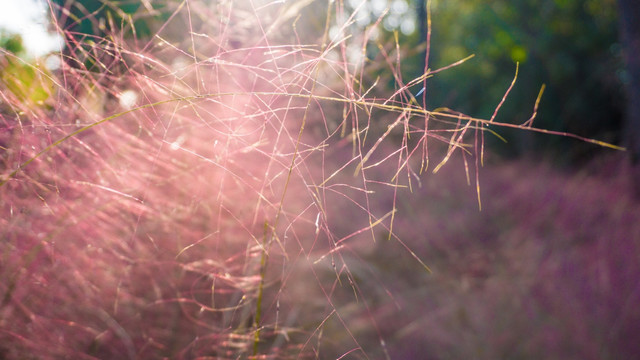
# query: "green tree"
[[569, 45], [96, 18], [91, 24]]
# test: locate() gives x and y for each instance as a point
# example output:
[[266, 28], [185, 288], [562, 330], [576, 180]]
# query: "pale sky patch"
[[29, 19]]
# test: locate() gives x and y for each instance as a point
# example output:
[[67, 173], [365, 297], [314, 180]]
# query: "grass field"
[[249, 189]]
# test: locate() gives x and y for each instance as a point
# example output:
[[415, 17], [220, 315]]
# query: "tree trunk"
[[629, 14]]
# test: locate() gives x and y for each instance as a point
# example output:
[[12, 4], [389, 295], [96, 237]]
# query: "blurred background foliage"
[[87, 22], [568, 45], [571, 46], [11, 42], [94, 16], [29, 83]]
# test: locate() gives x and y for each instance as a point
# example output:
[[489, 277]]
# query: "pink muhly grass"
[[196, 197]]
